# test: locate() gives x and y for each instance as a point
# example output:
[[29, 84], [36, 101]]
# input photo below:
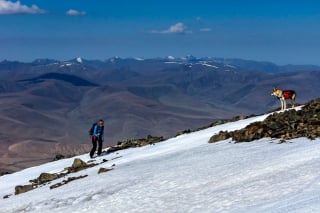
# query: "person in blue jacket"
[[97, 138]]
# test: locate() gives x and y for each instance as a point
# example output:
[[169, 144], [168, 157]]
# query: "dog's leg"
[[292, 103], [293, 100], [283, 103]]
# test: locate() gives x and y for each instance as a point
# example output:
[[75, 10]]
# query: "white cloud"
[[8, 7], [178, 28], [205, 29], [72, 12]]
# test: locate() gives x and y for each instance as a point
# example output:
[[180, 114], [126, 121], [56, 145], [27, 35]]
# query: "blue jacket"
[[98, 130]]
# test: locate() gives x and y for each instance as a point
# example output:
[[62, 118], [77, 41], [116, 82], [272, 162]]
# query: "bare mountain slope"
[[48, 106]]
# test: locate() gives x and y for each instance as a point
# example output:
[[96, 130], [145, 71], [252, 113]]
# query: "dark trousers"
[[95, 141]]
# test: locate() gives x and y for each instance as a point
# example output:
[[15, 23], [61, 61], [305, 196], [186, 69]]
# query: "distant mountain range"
[[47, 106]]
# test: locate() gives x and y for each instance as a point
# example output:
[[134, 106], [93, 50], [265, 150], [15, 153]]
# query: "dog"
[[283, 95]]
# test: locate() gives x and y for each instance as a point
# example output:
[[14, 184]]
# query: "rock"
[[59, 157], [23, 189], [219, 137], [6, 196], [4, 173], [183, 132], [78, 163], [45, 177], [153, 140], [132, 142], [101, 170], [67, 181]]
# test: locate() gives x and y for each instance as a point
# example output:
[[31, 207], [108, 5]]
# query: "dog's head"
[[276, 92]]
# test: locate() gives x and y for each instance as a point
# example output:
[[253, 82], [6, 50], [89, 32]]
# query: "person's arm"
[[95, 132]]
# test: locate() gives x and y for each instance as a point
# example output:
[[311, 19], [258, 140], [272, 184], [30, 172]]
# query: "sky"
[[279, 31], [181, 174]]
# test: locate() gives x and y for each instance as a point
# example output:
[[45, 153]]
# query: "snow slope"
[[183, 174]]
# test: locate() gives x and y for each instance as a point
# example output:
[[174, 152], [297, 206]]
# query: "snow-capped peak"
[[79, 59]]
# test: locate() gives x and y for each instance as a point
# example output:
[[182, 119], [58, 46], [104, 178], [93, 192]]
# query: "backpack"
[[92, 129]]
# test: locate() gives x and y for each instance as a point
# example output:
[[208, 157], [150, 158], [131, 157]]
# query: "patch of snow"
[[79, 59], [172, 62], [66, 64], [228, 65], [209, 65], [113, 59], [139, 59]]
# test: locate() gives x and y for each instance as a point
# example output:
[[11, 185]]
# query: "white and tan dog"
[[283, 95]]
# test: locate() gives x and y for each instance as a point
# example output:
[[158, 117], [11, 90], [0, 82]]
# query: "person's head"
[[100, 122]]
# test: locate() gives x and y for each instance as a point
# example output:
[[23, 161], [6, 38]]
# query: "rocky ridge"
[[284, 125]]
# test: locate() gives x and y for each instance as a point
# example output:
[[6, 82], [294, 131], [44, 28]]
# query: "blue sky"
[[282, 31]]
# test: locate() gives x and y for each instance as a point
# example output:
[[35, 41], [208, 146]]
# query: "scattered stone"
[[101, 170], [216, 123], [91, 161], [45, 177], [183, 132], [219, 122], [59, 157], [67, 181], [4, 173], [24, 188], [131, 143], [79, 165], [116, 157], [223, 135], [6, 196]]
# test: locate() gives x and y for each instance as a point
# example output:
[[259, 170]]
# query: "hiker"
[[97, 137]]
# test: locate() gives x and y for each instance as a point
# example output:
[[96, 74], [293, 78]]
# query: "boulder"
[[23, 189], [45, 177], [102, 170], [223, 135], [78, 163]]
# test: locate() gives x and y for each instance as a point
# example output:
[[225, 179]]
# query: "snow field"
[[183, 174]]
